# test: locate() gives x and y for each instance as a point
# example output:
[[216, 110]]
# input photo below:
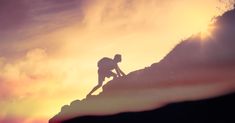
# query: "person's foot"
[[88, 95]]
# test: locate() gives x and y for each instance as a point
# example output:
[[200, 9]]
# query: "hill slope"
[[216, 110], [196, 69]]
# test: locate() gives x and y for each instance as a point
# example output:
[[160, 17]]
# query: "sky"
[[49, 48]]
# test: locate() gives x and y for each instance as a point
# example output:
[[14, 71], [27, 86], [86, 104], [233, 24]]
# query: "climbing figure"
[[105, 67]]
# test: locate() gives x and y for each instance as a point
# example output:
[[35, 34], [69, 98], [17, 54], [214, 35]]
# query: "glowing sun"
[[206, 33]]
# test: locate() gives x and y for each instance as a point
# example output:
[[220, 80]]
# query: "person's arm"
[[120, 72]]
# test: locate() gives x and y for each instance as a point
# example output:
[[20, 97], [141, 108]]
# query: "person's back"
[[106, 64]]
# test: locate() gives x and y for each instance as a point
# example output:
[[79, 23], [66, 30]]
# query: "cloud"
[[18, 14], [26, 75], [102, 19], [13, 14], [12, 120], [26, 81], [23, 22]]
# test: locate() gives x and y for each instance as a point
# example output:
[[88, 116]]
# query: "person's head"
[[117, 58]]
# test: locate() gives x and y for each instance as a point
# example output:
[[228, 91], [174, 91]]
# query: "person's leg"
[[94, 89], [100, 82], [114, 75], [111, 74]]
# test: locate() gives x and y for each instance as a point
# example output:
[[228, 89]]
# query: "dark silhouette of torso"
[[107, 64]]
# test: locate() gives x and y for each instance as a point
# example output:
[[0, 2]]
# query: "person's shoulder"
[[106, 59], [105, 62]]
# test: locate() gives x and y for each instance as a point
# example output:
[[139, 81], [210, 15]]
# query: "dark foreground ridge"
[[216, 110], [196, 69]]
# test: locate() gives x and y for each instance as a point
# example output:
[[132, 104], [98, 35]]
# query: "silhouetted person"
[[105, 67]]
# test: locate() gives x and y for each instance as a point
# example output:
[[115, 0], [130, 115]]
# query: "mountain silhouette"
[[216, 110], [195, 69]]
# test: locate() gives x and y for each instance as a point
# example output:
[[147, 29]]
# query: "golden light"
[[206, 33]]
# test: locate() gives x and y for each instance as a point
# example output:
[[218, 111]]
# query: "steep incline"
[[195, 69], [216, 110]]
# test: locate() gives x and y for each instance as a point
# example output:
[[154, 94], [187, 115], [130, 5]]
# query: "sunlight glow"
[[206, 33]]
